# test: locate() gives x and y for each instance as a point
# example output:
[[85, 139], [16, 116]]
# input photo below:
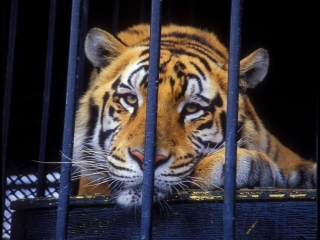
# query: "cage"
[[287, 31]]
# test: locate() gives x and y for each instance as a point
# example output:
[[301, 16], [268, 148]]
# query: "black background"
[[285, 100]]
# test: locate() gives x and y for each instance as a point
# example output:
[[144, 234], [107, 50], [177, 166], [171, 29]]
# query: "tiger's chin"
[[132, 197]]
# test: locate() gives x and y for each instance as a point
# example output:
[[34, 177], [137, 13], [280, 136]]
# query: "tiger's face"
[[191, 114]]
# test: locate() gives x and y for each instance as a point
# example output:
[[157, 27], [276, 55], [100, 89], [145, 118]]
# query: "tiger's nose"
[[158, 159], [140, 156]]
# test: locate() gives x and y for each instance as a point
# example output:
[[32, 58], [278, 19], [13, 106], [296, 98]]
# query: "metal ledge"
[[260, 214]]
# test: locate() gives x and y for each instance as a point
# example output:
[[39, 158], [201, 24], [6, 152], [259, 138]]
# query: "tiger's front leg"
[[254, 169]]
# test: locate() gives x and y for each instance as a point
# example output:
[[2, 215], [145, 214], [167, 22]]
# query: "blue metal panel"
[[232, 121], [151, 121]]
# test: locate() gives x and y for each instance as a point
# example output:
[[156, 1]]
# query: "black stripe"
[[223, 122], [183, 90], [178, 174], [178, 68], [111, 111], [116, 175], [185, 164], [120, 168], [207, 144], [143, 60], [105, 99], [198, 69], [144, 81], [198, 42], [93, 117], [197, 79], [206, 125], [133, 73], [193, 37], [122, 85], [121, 41], [112, 150], [193, 141], [144, 52], [174, 50], [172, 82], [206, 100], [118, 158], [217, 101], [104, 135], [163, 66], [116, 83], [184, 52]]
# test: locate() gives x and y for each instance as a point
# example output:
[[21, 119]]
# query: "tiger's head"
[[192, 93]]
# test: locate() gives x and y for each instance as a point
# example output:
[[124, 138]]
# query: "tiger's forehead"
[[179, 76]]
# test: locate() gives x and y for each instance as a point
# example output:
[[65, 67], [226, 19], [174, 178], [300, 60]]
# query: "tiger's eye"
[[191, 108], [131, 99]]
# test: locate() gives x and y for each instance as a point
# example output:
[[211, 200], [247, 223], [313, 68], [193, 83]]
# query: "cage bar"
[[232, 121], [46, 100], [7, 97], [151, 121], [64, 187]]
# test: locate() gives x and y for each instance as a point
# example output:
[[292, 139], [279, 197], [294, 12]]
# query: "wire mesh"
[[25, 186]]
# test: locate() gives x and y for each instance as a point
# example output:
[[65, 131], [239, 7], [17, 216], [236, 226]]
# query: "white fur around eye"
[[126, 106], [192, 116]]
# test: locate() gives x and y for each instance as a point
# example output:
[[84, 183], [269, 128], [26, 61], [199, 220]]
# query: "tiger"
[[191, 118]]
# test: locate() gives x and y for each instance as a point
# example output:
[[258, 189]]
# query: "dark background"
[[285, 100]]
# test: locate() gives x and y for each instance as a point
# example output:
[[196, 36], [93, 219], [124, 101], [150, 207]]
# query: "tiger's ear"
[[254, 68], [101, 47]]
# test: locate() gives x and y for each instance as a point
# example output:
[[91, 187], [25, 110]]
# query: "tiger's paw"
[[254, 169], [302, 175]]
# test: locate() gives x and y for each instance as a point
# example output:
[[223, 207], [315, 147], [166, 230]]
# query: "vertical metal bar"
[[46, 100], [151, 121], [7, 97], [232, 121], [115, 19], [64, 189]]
